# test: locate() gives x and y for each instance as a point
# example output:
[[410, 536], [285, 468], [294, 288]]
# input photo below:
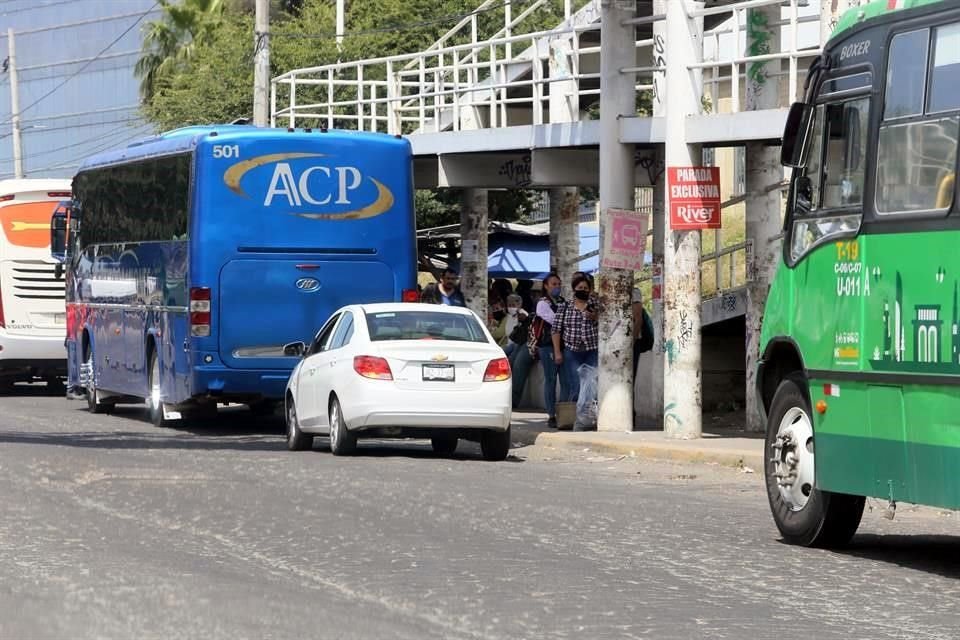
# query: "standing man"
[[445, 291]]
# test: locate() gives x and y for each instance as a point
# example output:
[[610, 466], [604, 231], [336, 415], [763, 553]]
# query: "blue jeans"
[[550, 374], [520, 363], [572, 361]]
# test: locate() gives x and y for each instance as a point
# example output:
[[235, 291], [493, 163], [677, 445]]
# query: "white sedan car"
[[400, 370]]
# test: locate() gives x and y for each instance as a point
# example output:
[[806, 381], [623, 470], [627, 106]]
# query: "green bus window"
[[808, 185], [914, 162], [944, 87], [843, 172], [906, 74]]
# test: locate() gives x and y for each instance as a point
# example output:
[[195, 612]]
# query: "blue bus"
[[191, 258]]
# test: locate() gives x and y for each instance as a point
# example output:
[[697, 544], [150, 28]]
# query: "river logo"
[[317, 185]]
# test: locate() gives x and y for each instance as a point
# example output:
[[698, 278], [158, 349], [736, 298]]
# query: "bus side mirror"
[[58, 235], [795, 134]]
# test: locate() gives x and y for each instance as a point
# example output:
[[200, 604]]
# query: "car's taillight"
[[410, 295], [497, 370], [200, 312], [372, 367]]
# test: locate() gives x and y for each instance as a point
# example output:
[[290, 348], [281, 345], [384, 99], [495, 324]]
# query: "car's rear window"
[[424, 325]]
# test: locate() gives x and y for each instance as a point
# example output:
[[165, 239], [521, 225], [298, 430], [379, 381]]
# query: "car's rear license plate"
[[440, 372]]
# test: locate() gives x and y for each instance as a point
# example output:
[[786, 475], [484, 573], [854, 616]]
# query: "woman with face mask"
[[541, 345], [575, 337]]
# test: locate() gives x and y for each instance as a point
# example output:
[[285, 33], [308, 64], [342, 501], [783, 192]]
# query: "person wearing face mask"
[[515, 318], [497, 322], [541, 345], [575, 336]]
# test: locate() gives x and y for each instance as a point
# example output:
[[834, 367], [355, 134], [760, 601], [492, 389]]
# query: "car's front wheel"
[[342, 441], [804, 514], [495, 445]]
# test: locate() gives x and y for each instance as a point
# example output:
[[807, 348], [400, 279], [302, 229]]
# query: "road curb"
[[676, 451]]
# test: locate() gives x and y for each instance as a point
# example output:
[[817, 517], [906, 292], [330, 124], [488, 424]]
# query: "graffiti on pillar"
[[686, 330], [758, 44], [517, 172], [659, 78], [649, 162]]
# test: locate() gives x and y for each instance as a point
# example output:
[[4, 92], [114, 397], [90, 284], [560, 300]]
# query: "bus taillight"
[[200, 312], [59, 194], [410, 295]]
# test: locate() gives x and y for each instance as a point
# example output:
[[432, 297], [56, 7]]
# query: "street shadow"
[[228, 421], [935, 554], [132, 440], [33, 390], [408, 448]]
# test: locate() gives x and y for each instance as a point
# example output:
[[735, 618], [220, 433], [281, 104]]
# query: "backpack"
[[646, 338], [521, 331]]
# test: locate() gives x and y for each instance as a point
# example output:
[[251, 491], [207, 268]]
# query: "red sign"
[[625, 241], [694, 197]]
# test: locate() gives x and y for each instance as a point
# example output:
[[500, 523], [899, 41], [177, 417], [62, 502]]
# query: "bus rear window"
[[424, 325]]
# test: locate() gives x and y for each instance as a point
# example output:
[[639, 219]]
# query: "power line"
[[86, 64], [76, 160], [99, 136]]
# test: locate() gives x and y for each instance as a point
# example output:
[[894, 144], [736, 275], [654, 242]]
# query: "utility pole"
[[341, 25], [682, 299], [14, 106], [261, 70], [474, 228], [618, 51]]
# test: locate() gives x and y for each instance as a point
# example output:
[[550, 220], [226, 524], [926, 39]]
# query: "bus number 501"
[[226, 151]]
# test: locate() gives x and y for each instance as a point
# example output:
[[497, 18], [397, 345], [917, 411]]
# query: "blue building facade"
[[78, 92]]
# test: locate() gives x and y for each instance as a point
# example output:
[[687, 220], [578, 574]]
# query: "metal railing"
[[480, 83]]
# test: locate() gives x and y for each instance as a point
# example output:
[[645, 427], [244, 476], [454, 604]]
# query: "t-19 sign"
[[694, 197]]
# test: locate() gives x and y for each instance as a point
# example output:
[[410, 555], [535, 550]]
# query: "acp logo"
[[317, 185]]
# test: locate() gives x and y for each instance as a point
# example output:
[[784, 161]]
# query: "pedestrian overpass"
[[519, 108]]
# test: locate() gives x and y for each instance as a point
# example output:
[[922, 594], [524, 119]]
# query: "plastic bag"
[[587, 400]]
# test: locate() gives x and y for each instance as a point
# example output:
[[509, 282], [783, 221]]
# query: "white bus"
[[32, 312]]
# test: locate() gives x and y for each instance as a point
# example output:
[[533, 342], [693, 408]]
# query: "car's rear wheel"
[[443, 445], [495, 445], [297, 440], [342, 441]]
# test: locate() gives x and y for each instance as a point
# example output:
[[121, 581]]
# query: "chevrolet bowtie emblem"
[[439, 358]]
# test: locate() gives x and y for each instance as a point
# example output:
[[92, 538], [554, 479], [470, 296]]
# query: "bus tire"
[[297, 440], [154, 401], [803, 514], [94, 404], [343, 442]]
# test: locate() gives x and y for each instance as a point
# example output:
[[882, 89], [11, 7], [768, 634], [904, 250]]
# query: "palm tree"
[[171, 41]]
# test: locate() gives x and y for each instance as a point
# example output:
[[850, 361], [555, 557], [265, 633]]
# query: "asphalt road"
[[110, 528]]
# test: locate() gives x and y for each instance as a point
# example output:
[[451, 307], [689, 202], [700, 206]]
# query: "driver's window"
[[845, 156], [322, 339]]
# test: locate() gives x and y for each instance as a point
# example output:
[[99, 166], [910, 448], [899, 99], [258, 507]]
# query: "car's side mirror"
[[294, 349]]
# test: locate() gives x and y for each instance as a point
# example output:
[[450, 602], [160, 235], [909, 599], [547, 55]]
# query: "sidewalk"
[[724, 446]]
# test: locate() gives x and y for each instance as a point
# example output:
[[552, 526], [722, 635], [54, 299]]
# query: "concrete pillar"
[[564, 233], [564, 106], [763, 206], [473, 250], [617, 99], [650, 403], [682, 395]]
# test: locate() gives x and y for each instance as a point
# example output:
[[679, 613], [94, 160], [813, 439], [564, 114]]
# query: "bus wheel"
[[803, 514], [154, 403], [94, 405]]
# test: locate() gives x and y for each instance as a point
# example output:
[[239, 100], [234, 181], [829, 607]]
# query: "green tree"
[[170, 42]]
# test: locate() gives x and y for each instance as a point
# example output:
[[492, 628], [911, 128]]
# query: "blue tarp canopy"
[[528, 256]]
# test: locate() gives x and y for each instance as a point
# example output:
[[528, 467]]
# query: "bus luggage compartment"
[[267, 303]]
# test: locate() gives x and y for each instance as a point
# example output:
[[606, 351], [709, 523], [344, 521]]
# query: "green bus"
[[859, 370]]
